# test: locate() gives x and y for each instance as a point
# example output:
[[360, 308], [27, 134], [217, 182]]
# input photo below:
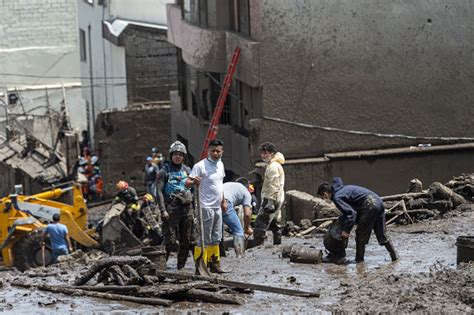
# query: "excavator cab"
[[23, 218]]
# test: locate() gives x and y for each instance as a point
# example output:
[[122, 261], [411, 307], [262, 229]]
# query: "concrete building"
[[39, 51], [124, 55], [128, 71], [338, 86]]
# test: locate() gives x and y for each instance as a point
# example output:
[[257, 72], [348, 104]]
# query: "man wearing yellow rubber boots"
[[208, 175]]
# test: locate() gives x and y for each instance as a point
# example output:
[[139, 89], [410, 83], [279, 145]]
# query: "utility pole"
[[50, 113]]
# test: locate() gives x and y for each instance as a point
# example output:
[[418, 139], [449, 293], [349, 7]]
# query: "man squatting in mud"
[[358, 206]]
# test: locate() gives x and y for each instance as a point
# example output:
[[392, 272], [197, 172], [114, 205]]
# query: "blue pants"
[[58, 252], [231, 219]]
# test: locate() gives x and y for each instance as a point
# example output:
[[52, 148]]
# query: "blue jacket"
[[349, 200]]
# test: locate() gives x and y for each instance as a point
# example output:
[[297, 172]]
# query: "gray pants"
[[212, 221], [268, 221], [371, 217]]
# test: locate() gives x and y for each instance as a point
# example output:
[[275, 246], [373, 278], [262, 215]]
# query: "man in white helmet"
[[176, 203]]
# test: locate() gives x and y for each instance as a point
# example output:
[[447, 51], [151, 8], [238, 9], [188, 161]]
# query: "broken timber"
[[108, 296], [236, 284]]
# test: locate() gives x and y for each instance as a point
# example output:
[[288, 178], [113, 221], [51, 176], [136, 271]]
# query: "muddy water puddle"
[[420, 246]]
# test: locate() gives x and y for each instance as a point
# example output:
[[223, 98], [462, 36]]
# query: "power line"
[[367, 133]]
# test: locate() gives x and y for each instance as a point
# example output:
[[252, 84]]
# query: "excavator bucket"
[[115, 236]]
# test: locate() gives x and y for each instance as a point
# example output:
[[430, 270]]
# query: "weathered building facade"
[[326, 81]]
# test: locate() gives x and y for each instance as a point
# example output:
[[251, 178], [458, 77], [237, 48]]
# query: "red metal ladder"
[[216, 116]]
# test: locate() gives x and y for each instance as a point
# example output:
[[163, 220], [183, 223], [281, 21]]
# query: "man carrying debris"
[[237, 194], [59, 236], [361, 207], [272, 195], [208, 175], [176, 204]]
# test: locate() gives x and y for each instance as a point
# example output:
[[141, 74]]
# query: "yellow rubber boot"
[[197, 254], [214, 257]]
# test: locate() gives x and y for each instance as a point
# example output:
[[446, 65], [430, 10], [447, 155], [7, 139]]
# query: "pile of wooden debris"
[[136, 279]]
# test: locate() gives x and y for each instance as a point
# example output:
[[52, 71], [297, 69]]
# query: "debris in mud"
[[437, 291]]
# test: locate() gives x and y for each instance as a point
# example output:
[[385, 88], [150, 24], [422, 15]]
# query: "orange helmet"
[[122, 185]]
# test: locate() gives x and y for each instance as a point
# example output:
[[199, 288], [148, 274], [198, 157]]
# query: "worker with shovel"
[[208, 176], [361, 207]]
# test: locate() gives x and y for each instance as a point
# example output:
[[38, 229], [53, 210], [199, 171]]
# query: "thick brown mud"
[[426, 278]]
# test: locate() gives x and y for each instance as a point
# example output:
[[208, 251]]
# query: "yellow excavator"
[[23, 218]]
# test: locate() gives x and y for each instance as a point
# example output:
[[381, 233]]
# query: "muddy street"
[[425, 278]]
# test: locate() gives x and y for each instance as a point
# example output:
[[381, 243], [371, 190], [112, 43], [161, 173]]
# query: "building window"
[[195, 12], [82, 45], [240, 16]]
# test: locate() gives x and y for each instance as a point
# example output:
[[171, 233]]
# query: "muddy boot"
[[215, 265], [258, 237], [239, 246], [391, 250], [360, 252], [277, 237]]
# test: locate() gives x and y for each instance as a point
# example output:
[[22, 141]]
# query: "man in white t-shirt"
[[208, 176]]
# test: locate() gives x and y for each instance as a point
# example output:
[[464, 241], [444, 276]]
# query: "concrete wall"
[[108, 64], [147, 11], [38, 38], [124, 139], [399, 67], [385, 174]]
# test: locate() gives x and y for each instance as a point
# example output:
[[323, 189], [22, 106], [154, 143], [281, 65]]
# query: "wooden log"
[[404, 196], [171, 289], [108, 262], [108, 296], [324, 219], [117, 274], [132, 274], [307, 231], [112, 288], [237, 284], [213, 297], [439, 191], [405, 211]]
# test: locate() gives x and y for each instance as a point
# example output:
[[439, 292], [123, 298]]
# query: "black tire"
[[27, 252]]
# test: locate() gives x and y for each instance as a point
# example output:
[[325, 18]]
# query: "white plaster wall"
[[147, 11]]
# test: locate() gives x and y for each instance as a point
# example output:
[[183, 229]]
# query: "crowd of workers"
[[176, 192]]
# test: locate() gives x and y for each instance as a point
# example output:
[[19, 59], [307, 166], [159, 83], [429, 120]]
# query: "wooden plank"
[[237, 284]]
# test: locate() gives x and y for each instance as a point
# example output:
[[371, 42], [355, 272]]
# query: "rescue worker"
[[272, 195], [237, 194], [176, 204], [151, 171], [59, 236], [150, 220], [157, 158], [208, 176], [362, 207], [128, 196]]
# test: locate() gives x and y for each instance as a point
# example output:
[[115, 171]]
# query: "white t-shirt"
[[212, 182]]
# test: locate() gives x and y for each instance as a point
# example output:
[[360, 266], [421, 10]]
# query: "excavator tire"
[[27, 252]]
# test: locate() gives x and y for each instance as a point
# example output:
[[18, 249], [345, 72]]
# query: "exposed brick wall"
[[38, 23], [151, 65], [125, 137]]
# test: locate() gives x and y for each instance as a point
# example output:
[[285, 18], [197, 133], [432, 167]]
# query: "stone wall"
[[124, 139]]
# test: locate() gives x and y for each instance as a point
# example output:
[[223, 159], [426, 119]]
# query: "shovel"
[[201, 266]]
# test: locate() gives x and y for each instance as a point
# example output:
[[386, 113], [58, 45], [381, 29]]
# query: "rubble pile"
[[432, 203]]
